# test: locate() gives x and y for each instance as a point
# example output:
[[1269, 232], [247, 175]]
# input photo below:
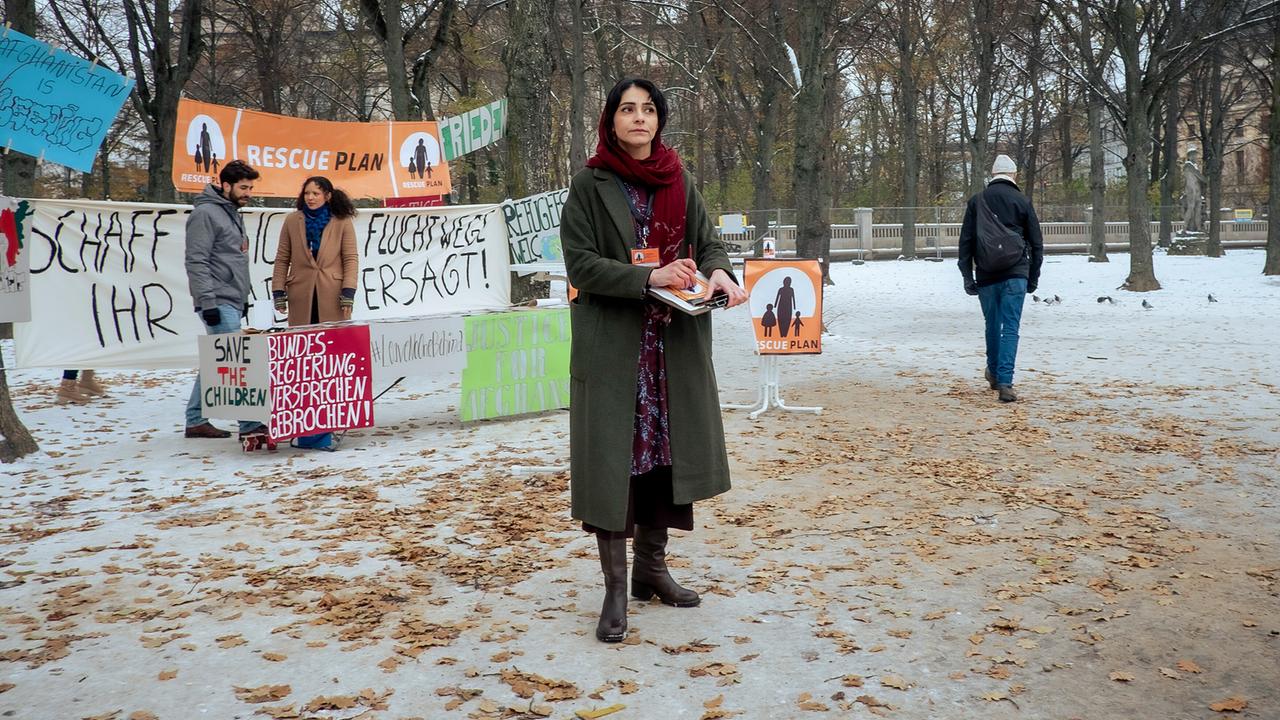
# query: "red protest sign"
[[417, 201], [321, 381]]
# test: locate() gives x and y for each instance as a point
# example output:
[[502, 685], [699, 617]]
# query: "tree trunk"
[[1031, 175], [386, 20], [20, 169], [19, 181], [1272, 266], [1097, 184], [165, 121], [1066, 147], [767, 116], [530, 66], [909, 97], [1172, 105], [1142, 276], [813, 236], [427, 59], [983, 49], [1213, 156], [578, 94]]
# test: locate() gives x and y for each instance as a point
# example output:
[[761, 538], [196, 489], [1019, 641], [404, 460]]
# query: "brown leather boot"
[[68, 392], [612, 627], [89, 383], [649, 574]]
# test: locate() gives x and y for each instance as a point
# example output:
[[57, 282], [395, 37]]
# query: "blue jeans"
[[1002, 308], [230, 323]]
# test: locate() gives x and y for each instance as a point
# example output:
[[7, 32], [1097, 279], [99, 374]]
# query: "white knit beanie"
[[1004, 165]]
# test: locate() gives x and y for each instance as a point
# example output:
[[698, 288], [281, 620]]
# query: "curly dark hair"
[[340, 205]]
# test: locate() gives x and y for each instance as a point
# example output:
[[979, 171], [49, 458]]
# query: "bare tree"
[[399, 26], [816, 21], [530, 67], [1272, 266], [160, 55], [19, 171], [271, 31], [907, 41], [982, 31]]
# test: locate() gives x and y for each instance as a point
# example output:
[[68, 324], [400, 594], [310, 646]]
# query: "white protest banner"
[[234, 382], [533, 227], [15, 274], [109, 284], [473, 129], [416, 346]]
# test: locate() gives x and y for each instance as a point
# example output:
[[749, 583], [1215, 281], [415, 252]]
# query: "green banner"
[[517, 363], [473, 129]]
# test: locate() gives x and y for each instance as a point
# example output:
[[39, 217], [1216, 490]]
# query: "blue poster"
[[55, 104]]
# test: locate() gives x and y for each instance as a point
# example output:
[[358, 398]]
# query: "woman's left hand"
[[346, 313], [721, 282]]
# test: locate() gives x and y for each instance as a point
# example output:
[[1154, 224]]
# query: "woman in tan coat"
[[316, 265]]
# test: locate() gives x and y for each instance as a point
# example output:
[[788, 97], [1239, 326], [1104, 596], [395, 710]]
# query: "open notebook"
[[690, 300]]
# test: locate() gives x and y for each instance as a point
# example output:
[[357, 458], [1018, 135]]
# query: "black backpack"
[[996, 247]]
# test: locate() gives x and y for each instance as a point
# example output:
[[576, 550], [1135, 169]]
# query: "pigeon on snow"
[[1212, 298], [1146, 305], [1106, 299], [1035, 298]]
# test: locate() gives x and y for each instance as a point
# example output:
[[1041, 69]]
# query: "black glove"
[[211, 316], [1031, 287], [971, 287]]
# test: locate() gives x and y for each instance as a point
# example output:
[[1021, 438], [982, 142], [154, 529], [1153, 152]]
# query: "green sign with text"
[[517, 363]]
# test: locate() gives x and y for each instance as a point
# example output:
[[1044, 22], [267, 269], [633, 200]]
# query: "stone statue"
[[1192, 182]]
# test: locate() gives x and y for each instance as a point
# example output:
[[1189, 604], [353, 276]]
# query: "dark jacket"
[[217, 266], [607, 316], [1015, 212]]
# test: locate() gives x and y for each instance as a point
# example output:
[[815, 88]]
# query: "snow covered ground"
[[1103, 548]]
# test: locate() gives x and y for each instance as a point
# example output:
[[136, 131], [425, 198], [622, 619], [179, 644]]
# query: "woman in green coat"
[[645, 437]]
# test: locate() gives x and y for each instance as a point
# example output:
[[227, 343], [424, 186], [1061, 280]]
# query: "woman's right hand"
[[678, 274]]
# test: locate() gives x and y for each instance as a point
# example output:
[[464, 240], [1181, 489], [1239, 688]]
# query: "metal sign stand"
[[767, 393]]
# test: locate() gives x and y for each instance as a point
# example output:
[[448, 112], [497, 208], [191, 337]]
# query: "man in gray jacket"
[[218, 275]]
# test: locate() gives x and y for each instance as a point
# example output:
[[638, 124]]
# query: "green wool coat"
[[596, 234]]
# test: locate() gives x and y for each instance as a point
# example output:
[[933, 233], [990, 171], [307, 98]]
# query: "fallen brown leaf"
[[1231, 704], [263, 693]]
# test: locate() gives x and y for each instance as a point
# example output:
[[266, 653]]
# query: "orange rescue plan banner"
[[786, 305], [374, 160]]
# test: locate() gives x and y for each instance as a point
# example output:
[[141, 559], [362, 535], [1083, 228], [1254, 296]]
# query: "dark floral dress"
[[650, 501]]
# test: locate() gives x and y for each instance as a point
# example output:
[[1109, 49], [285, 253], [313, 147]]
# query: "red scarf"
[[662, 172]]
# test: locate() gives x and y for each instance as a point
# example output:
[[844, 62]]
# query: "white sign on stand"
[[733, 224], [234, 379], [767, 395]]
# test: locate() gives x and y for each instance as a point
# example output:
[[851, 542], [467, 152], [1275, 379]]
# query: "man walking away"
[[1000, 242], [218, 275]]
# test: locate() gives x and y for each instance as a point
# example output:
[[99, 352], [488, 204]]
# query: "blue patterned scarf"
[[316, 222]]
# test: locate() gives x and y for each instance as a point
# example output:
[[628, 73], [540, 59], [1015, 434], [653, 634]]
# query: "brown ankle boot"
[[649, 574], [89, 383], [68, 392], [612, 627]]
